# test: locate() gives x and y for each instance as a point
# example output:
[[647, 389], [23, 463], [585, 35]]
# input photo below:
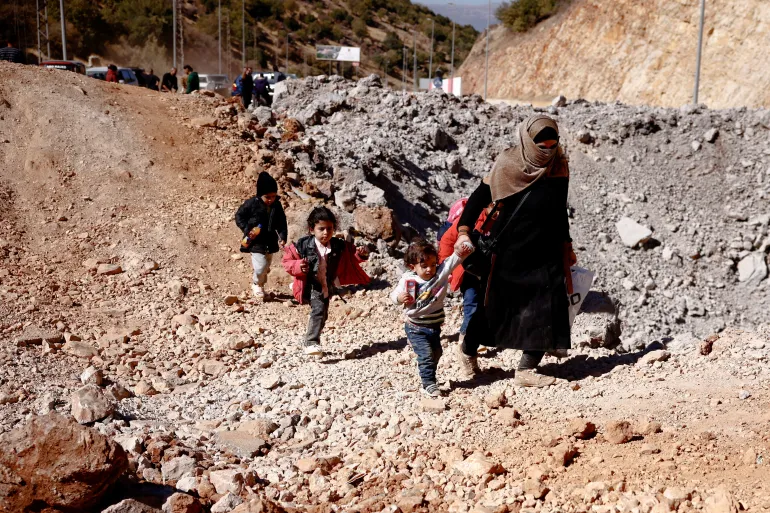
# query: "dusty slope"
[[638, 52], [360, 404]]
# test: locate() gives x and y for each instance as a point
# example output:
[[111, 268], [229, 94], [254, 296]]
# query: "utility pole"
[[287, 53], [414, 66], [700, 50], [432, 34], [173, 8], [219, 37], [452, 65], [181, 33], [40, 34], [486, 59], [256, 64], [63, 31], [403, 68], [243, 32], [387, 63]]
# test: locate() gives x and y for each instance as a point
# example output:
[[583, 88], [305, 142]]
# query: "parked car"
[[139, 72], [125, 75], [216, 83], [77, 67]]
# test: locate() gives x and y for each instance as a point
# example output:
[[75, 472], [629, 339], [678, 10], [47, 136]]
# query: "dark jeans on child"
[[319, 312], [426, 343]]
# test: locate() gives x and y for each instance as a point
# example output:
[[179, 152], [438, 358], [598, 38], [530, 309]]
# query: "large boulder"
[[53, 462], [378, 223]]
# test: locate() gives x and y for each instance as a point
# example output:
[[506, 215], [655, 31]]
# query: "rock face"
[[54, 462], [583, 33]]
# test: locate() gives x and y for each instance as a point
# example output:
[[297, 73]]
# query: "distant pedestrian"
[[261, 90], [438, 80], [263, 222], [112, 74], [11, 54], [193, 83], [244, 87], [169, 82], [151, 80]]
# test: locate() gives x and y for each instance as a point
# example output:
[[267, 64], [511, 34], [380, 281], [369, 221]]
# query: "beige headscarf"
[[519, 167]]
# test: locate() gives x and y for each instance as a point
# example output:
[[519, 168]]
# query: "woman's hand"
[[462, 240]]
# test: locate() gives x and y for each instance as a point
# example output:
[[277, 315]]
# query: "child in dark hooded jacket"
[[263, 223]]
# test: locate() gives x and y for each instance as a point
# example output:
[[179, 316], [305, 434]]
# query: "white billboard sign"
[[337, 53]]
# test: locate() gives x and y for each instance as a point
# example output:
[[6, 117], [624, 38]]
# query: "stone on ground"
[[53, 462], [632, 233], [89, 404]]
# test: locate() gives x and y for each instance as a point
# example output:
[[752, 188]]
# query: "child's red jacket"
[[342, 263]]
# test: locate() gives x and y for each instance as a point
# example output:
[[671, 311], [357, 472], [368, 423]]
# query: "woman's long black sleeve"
[[479, 200]]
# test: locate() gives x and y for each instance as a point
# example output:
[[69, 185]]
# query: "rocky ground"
[[125, 308]]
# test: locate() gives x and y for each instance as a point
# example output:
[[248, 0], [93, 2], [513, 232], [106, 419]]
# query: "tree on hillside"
[[521, 15]]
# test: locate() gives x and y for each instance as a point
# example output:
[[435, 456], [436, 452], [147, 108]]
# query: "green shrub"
[[522, 15], [359, 28]]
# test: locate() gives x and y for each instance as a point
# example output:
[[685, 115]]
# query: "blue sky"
[[473, 12]]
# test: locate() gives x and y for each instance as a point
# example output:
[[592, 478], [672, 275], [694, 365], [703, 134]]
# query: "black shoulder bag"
[[479, 263]]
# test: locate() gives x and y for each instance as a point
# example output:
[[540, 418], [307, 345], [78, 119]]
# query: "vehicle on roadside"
[[139, 72], [125, 75], [77, 67], [214, 82]]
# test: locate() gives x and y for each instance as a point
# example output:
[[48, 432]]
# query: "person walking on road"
[[261, 92], [169, 82], [151, 79], [244, 87], [527, 306], [112, 74], [193, 83], [11, 54]]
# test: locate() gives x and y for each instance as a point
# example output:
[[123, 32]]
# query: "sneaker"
[[469, 365], [432, 391], [531, 378], [314, 350], [258, 292]]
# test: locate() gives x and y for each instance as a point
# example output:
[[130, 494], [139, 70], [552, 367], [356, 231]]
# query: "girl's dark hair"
[[320, 214], [418, 251]]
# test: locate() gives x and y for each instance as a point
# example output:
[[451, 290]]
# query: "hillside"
[[638, 52], [141, 33]]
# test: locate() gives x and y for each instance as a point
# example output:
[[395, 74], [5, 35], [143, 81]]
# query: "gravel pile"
[[669, 206]]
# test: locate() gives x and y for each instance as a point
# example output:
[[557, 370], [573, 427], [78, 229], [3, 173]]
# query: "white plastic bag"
[[582, 279]]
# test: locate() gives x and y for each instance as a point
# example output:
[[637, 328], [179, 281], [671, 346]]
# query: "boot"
[[469, 365], [531, 378]]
